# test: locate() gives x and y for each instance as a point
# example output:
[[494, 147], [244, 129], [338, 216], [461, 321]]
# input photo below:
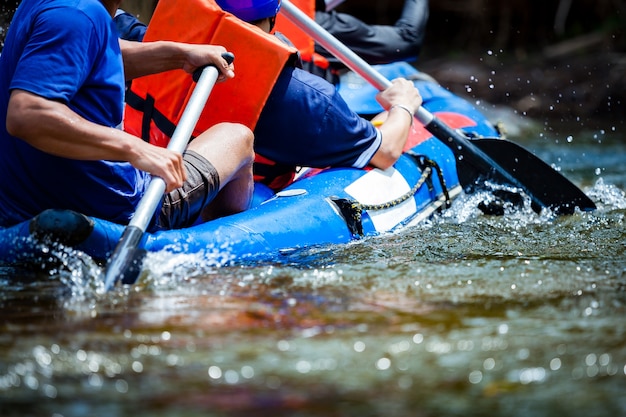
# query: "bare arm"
[[61, 132], [145, 58], [395, 130]]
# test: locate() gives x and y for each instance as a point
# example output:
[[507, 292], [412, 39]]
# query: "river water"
[[466, 314]]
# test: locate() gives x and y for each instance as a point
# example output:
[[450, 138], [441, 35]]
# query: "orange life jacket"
[[156, 102], [311, 60]]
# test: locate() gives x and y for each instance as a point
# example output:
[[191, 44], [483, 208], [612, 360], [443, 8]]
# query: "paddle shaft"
[[123, 256], [466, 152], [178, 143]]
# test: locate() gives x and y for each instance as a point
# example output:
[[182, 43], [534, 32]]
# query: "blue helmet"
[[250, 10]]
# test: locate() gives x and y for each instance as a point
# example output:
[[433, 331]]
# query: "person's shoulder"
[[91, 7], [80, 24], [313, 81], [79, 12], [74, 13]]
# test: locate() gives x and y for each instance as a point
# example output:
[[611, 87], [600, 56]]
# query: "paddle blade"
[[544, 183], [507, 163], [127, 258]]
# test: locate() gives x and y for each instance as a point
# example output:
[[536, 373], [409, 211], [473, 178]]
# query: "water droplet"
[[231, 377], [529, 375], [475, 377], [304, 367], [121, 386], [604, 359], [137, 366], [523, 353], [383, 364], [215, 372], [95, 380], [247, 372]]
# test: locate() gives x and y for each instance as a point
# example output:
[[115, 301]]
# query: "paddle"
[[478, 160], [124, 264]]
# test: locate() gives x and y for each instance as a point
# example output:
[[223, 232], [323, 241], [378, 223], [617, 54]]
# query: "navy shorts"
[[183, 206]]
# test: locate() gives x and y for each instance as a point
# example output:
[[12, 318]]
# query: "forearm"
[[395, 131], [145, 58], [61, 132]]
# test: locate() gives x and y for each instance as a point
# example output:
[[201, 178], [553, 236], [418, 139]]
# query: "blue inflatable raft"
[[321, 207]]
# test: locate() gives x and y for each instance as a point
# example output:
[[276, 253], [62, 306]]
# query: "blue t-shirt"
[[306, 122], [65, 50]]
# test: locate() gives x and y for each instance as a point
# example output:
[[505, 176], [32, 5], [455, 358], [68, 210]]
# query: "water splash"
[[608, 196], [164, 269], [79, 277], [519, 213]]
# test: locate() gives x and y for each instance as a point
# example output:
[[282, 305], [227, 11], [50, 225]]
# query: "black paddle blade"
[[127, 259], [548, 187], [506, 163]]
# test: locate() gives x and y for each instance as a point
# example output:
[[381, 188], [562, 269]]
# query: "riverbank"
[[580, 81]]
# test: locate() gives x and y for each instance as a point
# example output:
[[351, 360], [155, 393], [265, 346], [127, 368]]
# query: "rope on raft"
[[352, 210]]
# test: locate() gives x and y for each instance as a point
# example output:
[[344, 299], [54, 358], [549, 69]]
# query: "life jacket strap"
[[150, 114]]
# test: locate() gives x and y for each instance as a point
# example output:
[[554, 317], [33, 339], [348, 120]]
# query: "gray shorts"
[[182, 207]]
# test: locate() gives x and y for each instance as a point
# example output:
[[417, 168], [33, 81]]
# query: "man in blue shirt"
[[61, 146]]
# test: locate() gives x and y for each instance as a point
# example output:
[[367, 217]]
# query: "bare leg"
[[228, 147]]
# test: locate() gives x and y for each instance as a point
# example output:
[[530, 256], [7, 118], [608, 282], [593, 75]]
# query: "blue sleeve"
[[58, 57], [306, 122], [129, 27]]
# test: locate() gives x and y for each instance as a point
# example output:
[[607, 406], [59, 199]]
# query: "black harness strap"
[[150, 114]]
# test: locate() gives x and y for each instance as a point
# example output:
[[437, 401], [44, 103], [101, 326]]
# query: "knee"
[[244, 136], [239, 136], [243, 139], [225, 138]]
